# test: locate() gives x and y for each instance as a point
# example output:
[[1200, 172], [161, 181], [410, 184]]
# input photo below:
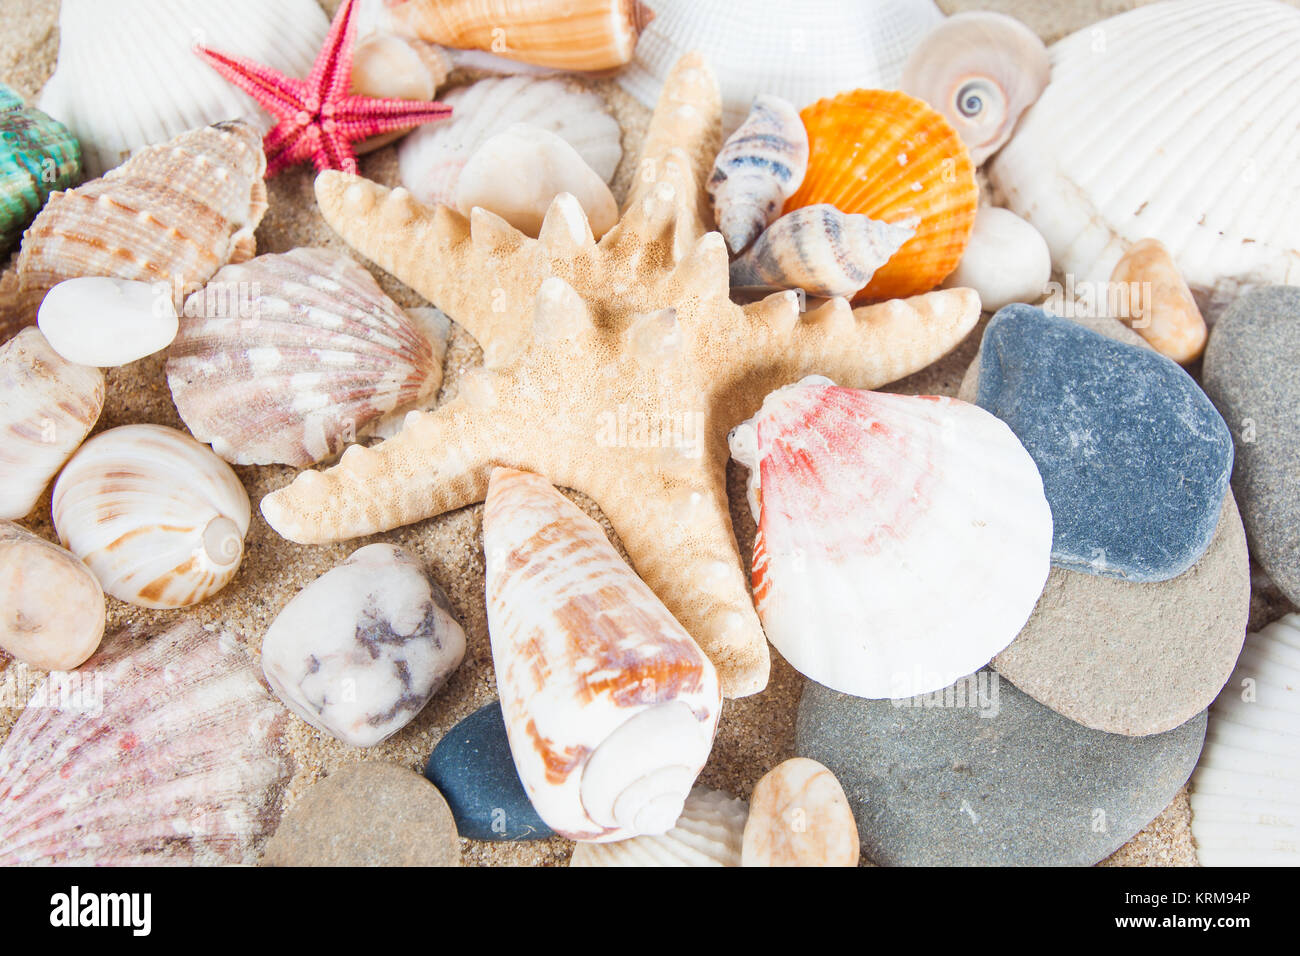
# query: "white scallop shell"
[[127, 75], [430, 158], [1245, 792], [49, 405], [799, 51], [902, 540], [708, 833], [1175, 121], [156, 516]]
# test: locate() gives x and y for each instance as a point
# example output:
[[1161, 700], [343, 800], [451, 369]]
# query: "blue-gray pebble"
[[992, 778], [1134, 457], [473, 768]]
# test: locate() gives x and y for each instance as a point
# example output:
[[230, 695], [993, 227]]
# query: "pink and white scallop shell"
[[902, 540]]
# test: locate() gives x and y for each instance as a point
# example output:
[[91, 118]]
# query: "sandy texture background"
[[755, 733]]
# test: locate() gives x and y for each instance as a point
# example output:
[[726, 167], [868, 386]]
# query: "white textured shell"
[[1175, 121], [902, 541], [169, 753], [288, 358], [708, 833], [430, 158], [49, 406], [1245, 792], [127, 75], [610, 706], [156, 516], [800, 51]]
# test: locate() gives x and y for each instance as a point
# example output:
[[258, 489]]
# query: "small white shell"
[[106, 322], [49, 406], [158, 518], [708, 833], [1005, 261], [430, 159]]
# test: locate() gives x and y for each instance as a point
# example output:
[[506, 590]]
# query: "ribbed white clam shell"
[[156, 516], [128, 77], [430, 158], [709, 832], [1246, 789], [1175, 121], [800, 51]]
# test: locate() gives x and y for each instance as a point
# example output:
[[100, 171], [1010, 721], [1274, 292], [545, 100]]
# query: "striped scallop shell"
[[902, 541], [37, 156], [127, 75], [430, 158], [288, 358], [1246, 789], [708, 833], [1177, 122], [891, 157], [162, 750], [158, 517], [49, 406]]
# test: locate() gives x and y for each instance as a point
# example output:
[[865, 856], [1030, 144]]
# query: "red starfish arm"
[[335, 152], [276, 93], [362, 118], [332, 71]]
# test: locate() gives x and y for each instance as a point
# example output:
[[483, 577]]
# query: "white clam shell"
[[902, 542], [1006, 260], [157, 517], [98, 320], [49, 406], [708, 833], [1175, 121], [1245, 792], [127, 75]]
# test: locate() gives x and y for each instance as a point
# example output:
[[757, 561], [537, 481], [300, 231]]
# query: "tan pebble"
[[1161, 306], [799, 816]]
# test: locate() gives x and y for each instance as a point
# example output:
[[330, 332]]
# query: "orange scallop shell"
[[890, 156]]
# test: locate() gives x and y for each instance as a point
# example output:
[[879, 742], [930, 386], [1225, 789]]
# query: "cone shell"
[[158, 517], [1177, 122], [161, 750], [1246, 789], [172, 214], [565, 34], [610, 706], [287, 358], [890, 157], [430, 158], [902, 541], [50, 405], [37, 156], [127, 76], [708, 833]]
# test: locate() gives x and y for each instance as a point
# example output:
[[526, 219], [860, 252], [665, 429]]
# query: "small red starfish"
[[317, 119]]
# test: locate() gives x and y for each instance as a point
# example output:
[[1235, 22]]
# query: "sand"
[[754, 734]]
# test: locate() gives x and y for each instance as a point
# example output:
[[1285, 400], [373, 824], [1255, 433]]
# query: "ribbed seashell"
[[610, 706], [820, 250], [566, 34], [171, 214], [889, 156], [708, 833], [902, 541], [799, 816], [158, 517], [288, 358], [1245, 792], [798, 51], [37, 156], [127, 75], [163, 749], [49, 406], [1175, 121], [430, 158], [758, 168], [981, 70]]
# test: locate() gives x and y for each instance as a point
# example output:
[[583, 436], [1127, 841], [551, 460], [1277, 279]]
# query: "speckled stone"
[[367, 814], [475, 771], [1252, 372], [1135, 460], [1005, 782]]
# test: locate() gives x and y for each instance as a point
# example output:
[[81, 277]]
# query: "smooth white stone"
[[96, 320], [1006, 260]]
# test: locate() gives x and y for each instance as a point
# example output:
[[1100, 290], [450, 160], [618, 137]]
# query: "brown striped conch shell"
[[708, 833], [610, 706], [799, 816]]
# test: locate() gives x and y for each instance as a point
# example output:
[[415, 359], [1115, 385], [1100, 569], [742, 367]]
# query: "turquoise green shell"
[[37, 156]]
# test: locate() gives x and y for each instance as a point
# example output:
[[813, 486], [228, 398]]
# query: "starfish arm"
[[360, 117], [332, 71], [276, 93]]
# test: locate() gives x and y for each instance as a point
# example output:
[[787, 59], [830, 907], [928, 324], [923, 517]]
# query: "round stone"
[[97, 320]]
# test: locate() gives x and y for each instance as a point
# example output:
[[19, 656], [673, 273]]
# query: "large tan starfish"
[[615, 368]]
